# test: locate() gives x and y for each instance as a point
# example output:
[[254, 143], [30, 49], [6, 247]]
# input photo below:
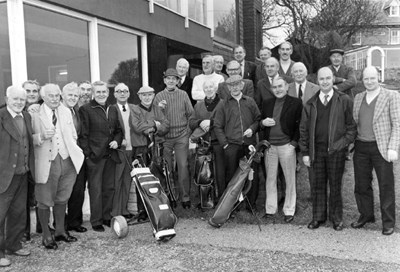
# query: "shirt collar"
[[322, 95], [120, 107], [13, 113]]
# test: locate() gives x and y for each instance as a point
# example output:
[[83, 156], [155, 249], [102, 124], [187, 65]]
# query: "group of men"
[[74, 136]]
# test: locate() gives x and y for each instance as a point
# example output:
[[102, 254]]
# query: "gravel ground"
[[234, 247]]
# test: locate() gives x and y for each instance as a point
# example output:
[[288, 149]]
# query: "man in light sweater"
[[178, 109], [208, 75]]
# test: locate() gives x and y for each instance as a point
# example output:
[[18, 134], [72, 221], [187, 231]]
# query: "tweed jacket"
[[386, 120], [308, 92], [345, 79], [248, 89], [41, 122], [342, 128], [10, 138], [99, 128]]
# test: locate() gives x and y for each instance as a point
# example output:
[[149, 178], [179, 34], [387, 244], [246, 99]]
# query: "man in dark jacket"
[[326, 129], [235, 125], [101, 135], [280, 119]]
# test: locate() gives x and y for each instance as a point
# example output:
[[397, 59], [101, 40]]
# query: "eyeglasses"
[[122, 91], [31, 91]]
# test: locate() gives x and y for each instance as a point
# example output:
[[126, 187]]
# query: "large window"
[[119, 59], [394, 10], [225, 20], [5, 63], [395, 36], [57, 48], [175, 5], [198, 11]]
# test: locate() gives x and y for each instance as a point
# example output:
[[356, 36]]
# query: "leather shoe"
[[268, 216], [315, 224], [20, 252], [186, 205], [26, 237], [338, 226], [107, 223], [66, 238], [289, 218], [361, 222], [98, 228], [4, 262], [49, 244], [77, 229], [387, 231]]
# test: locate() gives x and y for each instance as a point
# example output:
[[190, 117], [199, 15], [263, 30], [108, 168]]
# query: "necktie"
[[179, 83], [326, 99], [20, 122], [74, 119], [54, 118], [300, 92], [123, 108]]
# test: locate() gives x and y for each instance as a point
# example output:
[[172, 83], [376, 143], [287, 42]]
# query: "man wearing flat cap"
[[177, 108], [345, 78], [235, 125]]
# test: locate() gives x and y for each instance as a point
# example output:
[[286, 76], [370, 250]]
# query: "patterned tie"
[[326, 99], [123, 108], [74, 119], [20, 123], [54, 118], [179, 83], [300, 92]]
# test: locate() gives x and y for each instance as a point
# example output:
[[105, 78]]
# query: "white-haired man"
[[219, 65], [301, 87], [58, 159], [185, 82], [208, 74], [16, 138]]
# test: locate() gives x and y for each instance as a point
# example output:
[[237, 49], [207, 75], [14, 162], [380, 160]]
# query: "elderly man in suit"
[[208, 75], [377, 114], [264, 54], [233, 68], [74, 217], [301, 87], [285, 62], [185, 82], [219, 66], [263, 90], [247, 68], [58, 159], [326, 129], [345, 78], [100, 137], [16, 159]]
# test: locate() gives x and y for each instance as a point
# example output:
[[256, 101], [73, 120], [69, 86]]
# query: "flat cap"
[[171, 72], [145, 89], [235, 79], [336, 50]]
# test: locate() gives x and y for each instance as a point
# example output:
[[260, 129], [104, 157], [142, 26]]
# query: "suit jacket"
[[386, 120], [289, 118], [99, 128], [10, 141], [345, 79], [248, 89], [308, 92], [263, 91], [41, 122], [187, 87], [250, 71]]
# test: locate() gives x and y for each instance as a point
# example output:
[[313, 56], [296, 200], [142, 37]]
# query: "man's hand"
[[123, 142], [306, 161], [205, 125], [162, 104], [248, 133], [158, 124], [113, 145], [48, 133], [392, 155], [33, 108], [268, 122]]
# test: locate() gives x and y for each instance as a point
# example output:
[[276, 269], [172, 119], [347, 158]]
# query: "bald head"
[[371, 78], [325, 79]]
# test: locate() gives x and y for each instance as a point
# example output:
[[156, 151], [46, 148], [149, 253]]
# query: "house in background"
[[379, 46], [130, 41]]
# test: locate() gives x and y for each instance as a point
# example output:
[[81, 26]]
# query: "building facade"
[[379, 46], [130, 41]]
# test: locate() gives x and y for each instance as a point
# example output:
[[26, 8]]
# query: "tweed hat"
[[145, 89], [171, 72], [235, 79]]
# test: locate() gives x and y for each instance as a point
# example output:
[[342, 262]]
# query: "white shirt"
[[125, 118], [303, 87], [13, 113], [322, 96]]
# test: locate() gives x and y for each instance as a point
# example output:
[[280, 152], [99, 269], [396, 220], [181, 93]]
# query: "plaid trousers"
[[327, 168]]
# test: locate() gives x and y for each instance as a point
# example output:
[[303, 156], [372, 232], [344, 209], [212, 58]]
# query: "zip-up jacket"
[[342, 127], [233, 118]]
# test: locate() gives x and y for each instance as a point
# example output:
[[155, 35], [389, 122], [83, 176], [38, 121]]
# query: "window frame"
[[397, 36]]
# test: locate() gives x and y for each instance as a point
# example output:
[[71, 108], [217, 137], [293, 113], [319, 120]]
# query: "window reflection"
[[198, 11], [119, 59], [57, 48], [225, 20], [5, 63], [175, 5]]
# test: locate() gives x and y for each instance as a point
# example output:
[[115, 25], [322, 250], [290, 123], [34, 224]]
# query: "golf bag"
[[238, 186], [204, 175], [156, 203]]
